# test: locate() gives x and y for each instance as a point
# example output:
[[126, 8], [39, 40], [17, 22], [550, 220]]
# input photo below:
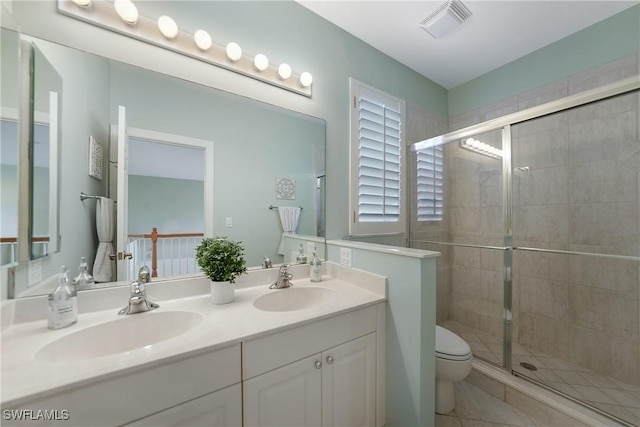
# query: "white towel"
[[289, 216], [103, 267]]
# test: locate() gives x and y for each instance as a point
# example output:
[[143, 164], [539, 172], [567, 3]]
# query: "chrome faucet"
[[267, 262], [138, 302], [284, 278]]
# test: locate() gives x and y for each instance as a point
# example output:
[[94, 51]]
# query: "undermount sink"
[[291, 299], [119, 336]]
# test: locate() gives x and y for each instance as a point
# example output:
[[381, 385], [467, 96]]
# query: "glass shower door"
[[469, 231], [577, 253]]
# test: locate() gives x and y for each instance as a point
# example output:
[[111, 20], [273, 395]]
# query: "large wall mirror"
[[196, 161]]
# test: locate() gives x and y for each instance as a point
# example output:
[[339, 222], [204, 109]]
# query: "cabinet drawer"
[[272, 351], [222, 408], [137, 394]]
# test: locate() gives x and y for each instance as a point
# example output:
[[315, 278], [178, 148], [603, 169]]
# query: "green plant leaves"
[[221, 259]]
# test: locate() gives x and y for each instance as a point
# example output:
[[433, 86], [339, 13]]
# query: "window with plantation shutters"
[[430, 184], [377, 150]]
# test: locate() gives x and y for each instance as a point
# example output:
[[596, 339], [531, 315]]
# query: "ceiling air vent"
[[444, 19]]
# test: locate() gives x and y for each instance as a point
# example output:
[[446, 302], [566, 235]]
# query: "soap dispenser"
[[83, 279], [62, 309], [315, 274], [301, 258]]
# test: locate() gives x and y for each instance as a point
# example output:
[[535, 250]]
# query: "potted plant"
[[222, 260]]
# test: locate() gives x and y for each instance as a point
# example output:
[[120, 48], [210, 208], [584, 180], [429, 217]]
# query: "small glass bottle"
[[301, 258], [83, 279], [316, 268], [62, 309]]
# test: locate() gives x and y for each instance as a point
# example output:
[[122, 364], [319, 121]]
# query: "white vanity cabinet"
[[168, 392], [321, 374]]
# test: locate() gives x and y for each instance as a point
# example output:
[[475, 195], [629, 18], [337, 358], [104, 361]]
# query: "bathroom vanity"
[[314, 356]]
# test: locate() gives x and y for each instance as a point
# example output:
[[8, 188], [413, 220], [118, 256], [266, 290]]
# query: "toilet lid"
[[449, 344]]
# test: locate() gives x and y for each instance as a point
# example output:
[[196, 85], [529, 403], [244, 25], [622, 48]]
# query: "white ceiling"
[[497, 33]]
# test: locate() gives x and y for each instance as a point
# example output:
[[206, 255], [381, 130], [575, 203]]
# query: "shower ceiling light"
[[481, 148], [230, 57]]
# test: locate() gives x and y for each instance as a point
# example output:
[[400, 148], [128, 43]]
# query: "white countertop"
[[25, 378]]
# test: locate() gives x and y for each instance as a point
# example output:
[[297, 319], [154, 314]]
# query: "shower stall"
[[536, 216]]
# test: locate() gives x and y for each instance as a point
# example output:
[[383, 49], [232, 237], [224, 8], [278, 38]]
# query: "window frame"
[[359, 90]]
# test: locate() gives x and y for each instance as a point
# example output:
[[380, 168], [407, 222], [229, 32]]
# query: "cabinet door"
[[222, 408], [288, 396], [349, 383]]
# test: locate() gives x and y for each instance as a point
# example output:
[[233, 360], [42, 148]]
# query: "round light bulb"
[[261, 62], [234, 52], [82, 3], [306, 79], [168, 27], [202, 39], [127, 11], [284, 71]]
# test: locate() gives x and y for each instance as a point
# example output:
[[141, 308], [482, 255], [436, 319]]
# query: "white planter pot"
[[222, 292]]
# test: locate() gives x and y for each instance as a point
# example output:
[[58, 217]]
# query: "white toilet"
[[453, 363]]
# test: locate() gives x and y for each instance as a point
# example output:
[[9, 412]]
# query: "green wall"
[[606, 41]]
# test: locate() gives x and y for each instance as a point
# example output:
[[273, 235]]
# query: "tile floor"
[[609, 394], [477, 408]]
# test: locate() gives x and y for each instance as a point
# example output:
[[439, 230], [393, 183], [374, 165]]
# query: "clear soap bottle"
[[301, 258], [316, 268], [83, 279], [62, 309]]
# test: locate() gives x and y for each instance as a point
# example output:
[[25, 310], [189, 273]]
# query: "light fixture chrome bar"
[[618, 88], [102, 14], [556, 251]]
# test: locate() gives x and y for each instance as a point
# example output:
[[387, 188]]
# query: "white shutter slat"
[[430, 184]]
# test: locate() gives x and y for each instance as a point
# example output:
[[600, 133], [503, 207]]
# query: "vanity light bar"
[[166, 34]]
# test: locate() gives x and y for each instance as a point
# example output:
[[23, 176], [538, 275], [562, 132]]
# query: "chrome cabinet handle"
[[318, 364], [329, 360]]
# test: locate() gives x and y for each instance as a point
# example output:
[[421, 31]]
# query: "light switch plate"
[[345, 257]]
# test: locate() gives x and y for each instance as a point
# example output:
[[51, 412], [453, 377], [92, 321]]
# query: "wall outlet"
[[228, 222], [345, 257]]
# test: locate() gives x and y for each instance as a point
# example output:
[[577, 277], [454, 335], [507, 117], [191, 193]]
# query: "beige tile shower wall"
[[581, 193], [422, 124], [475, 183]]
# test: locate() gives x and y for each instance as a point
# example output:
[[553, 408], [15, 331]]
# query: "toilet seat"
[[450, 346]]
